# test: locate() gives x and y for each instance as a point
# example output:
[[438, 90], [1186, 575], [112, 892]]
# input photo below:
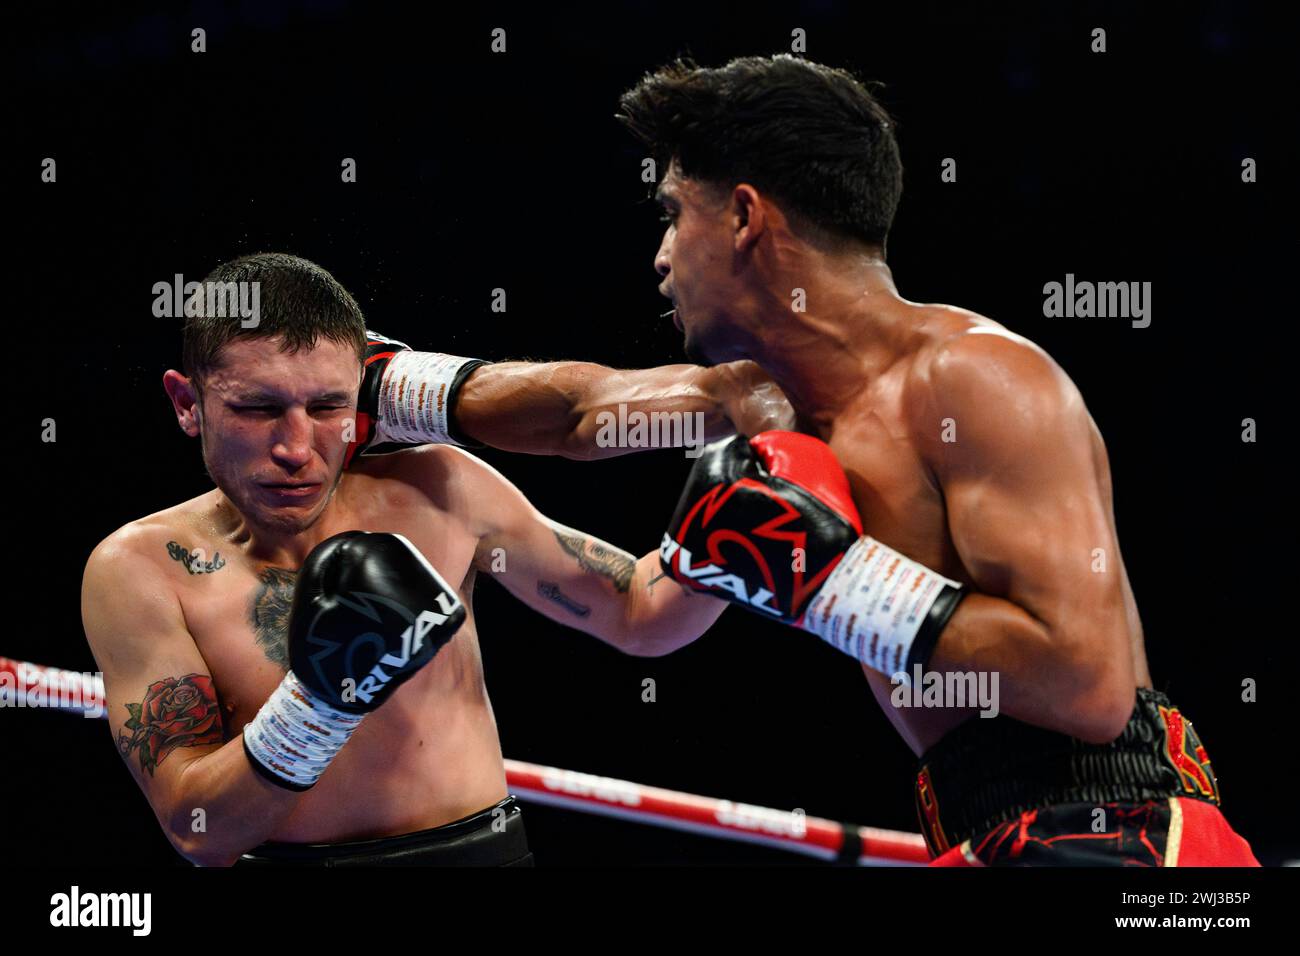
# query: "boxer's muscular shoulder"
[[451, 479], [150, 541], [977, 386], [130, 568]]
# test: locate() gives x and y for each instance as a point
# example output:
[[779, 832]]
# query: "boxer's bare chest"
[[901, 504], [897, 495], [237, 609]]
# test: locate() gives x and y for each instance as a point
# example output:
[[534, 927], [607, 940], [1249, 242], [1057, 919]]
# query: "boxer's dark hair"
[[810, 136], [297, 300]]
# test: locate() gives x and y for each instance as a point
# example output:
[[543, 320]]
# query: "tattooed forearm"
[[270, 613], [551, 591], [617, 566], [175, 712], [195, 561]]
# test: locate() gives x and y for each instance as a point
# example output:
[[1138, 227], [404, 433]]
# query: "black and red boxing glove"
[[769, 523], [762, 522], [406, 398]]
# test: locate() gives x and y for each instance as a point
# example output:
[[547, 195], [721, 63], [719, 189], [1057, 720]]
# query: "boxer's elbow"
[[200, 848], [1100, 722], [642, 638], [636, 639], [186, 826], [641, 647], [201, 854], [581, 442], [1103, 699]]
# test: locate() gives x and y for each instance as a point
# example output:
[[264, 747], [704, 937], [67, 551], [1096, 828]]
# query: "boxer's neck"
[[853, 327], [268, 544]]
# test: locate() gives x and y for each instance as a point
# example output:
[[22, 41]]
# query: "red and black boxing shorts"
[[1000, 792]]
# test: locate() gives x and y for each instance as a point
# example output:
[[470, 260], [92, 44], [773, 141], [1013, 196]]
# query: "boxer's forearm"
[[1070, 686], [585, 411], [573, 409], [662, 616], [239, 808], [623, 601]]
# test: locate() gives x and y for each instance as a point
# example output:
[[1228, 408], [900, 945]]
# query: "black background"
[[478, 171]]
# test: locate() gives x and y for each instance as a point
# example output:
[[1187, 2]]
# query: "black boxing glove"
[[406, 398], [368, 612], [769, 523]]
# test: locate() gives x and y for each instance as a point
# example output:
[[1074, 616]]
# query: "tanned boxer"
[[958, 519], [291, 661]]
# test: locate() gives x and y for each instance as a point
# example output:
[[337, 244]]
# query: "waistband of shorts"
[[494, 836], [989, 770]]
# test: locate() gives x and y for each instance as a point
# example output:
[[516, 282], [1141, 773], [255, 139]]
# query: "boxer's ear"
[[749, 215], [186, 398]]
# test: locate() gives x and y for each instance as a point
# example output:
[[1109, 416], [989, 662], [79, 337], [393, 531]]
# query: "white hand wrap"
[[414, 397], [875, 603], [295, 735]]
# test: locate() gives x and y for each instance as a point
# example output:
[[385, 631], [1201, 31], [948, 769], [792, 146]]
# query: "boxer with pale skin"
[[186, 609], [968, 450]]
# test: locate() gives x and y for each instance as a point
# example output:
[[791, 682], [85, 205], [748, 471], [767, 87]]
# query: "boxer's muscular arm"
[[577, 579], [163, 711], [1028, 517], [557, 408]]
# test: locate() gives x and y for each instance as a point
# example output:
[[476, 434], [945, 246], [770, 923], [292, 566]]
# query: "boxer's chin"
[[697, 351]]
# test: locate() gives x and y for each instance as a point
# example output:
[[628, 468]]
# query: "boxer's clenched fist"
[[751, 400], [769, 523], [762, 522], [406, 397], [368, 612]]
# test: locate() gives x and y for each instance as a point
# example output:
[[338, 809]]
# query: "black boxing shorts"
[[1000, 792], [472, 841]]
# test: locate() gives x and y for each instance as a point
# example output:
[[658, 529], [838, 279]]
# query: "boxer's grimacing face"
[[695, 261], [272, 426]]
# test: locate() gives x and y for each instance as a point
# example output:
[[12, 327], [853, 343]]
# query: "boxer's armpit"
[[598, 558], [175, 712]]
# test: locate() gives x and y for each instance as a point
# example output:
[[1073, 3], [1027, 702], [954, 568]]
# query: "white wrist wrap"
[[873, 604], [296, 734], [414, 397]]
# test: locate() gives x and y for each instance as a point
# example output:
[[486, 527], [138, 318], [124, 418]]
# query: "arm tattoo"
[[270, 613], [686, 589], [551, 590], [617, 566], [193, 561], [175, 712]]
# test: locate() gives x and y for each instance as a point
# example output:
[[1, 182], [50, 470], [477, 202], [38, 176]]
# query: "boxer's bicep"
[[162, 707], [1025, 510]]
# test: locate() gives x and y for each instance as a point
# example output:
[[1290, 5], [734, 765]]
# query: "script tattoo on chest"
[[269, 612], [195, 561]]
